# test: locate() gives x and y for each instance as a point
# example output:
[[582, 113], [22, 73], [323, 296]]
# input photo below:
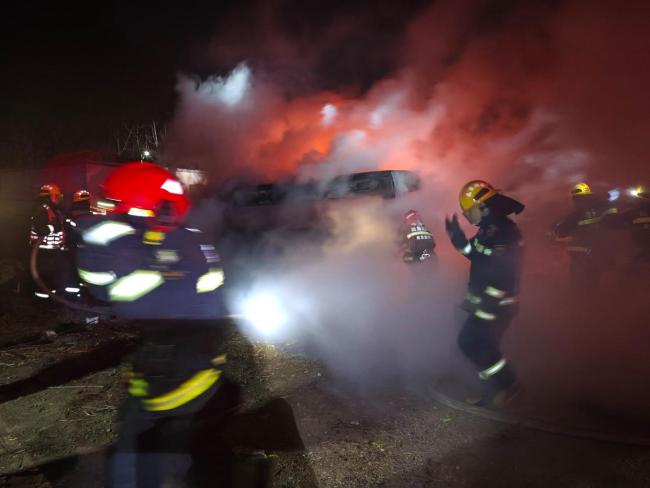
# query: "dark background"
[[74, 74]]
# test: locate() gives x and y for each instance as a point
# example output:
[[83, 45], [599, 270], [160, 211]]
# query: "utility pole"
[[138, 142]]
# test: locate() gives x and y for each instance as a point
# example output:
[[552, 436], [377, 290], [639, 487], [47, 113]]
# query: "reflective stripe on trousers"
[[482, 314], [494, 292], [492, 370]]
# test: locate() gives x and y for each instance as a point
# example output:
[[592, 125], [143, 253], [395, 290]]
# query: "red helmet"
[[146, 190], [411, 215], [80, 196], [51, 191]]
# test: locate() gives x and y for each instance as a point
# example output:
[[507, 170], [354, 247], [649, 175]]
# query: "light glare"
[[264, 313]]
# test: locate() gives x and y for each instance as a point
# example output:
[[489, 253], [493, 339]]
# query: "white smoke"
[[229, 90]]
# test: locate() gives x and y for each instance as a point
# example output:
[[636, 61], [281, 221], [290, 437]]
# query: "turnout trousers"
[[480, 342], [172, 379]]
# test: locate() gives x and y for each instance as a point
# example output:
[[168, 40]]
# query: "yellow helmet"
[[640, 192], [474, 192], [580, 189]]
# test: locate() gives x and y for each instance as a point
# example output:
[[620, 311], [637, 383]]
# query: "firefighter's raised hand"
[[452, 226], [455, 233]]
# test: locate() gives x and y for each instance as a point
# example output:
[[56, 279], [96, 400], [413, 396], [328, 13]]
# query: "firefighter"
[[582, 232], [418, 243], [48, 222], [80, 206], [636, 218], [149, 267], [495, 254]]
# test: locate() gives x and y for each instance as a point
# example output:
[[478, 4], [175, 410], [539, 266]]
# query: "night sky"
[[75, 73]]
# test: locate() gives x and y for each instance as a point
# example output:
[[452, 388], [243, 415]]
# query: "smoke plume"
[[531, 96]]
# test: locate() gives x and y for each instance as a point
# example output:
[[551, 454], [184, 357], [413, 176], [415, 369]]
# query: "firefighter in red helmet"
[[418, 243], [48, 219], [495, 254], [81, 204], [48, 223], [150, 268]]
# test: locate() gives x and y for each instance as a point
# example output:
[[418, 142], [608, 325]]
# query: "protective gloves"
[[455, 233]]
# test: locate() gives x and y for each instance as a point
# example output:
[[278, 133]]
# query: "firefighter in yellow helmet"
[[582, 233], [634, 216], [638, 217], [495, 254]]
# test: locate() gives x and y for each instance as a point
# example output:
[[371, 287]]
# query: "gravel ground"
[[60, 392]]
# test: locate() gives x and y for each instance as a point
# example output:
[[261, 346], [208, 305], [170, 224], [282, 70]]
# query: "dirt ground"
[[61, 387]]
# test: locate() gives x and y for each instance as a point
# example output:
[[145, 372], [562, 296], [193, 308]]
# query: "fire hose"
[[33, 268], [504, 417]]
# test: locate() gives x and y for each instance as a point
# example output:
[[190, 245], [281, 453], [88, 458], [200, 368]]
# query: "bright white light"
[[634, 191], [614, 194], [172, 186], [140, 212], [264, 313], [230, 90], [329, 113], [72, 289]]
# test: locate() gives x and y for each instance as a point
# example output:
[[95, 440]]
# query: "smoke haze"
[[531, 96]]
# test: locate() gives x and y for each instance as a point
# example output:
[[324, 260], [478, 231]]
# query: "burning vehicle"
[[270, 223]]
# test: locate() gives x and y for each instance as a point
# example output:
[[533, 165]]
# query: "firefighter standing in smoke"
[[495, 253], [637, 219], [582, 231], [142, 260], [418, 241]]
